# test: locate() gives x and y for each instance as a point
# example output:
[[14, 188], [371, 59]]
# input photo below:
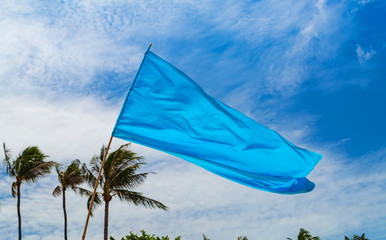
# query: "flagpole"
[[101, 167], [95, 187]]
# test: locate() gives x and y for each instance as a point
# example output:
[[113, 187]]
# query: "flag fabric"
[[168, 111]]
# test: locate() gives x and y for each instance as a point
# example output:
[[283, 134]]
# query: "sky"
[[312, 70]]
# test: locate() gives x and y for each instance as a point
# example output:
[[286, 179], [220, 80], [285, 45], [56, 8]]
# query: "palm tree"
[[356, 237], [205, 237], [305, 235], [70, 177], [242, 238], [28, 167], [119, 178]]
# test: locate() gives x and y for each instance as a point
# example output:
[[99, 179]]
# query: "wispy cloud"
[[364, 56], [363, 2], [65, 128], [66, 45]]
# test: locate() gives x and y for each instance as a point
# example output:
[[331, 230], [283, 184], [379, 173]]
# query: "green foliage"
[[119, 177], [28, 167], [356, 237], [145, 236], [242, 238], [70, 177], [305, 235]]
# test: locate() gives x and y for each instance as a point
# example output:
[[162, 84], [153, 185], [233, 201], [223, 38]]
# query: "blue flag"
[[168, 111]]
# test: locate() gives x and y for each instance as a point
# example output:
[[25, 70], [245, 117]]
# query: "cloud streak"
[[364, 56]]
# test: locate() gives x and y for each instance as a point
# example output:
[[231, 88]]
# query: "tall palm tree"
[[28, 167], [305, 235], [205, 237], [356, 237], [69, 177], [119, 178]]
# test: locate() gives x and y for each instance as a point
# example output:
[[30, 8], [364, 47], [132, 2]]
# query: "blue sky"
[[312, 70]]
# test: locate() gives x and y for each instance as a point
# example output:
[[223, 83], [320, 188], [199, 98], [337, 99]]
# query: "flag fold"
[[168, 111]]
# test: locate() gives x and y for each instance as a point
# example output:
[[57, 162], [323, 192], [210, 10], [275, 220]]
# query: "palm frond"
[[127, 158], [74, 166], [132, 164], [97, 202], [102, 153], [74, 180], [7, 161], [243, 238], [76, 163], [74, 174], [137, 199], [58, 168], [14, 189], [81, 191], [32, 154], [96, 160], [127, 179], [205, 237], [38, 171], [57, 191], [120, 153], [113, 161], [120, 165], [95, 164], [7, 153], [304, 235], [59, 171], [29, 160], [88, 176], [107, 165]]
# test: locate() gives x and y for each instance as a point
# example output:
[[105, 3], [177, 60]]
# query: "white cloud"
[[363, 2], [84, 38], [38, 55], [364, 56], [287, 39], [63, 128]]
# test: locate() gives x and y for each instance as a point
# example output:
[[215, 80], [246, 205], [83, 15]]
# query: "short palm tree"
[[305, 235], [28, 167], [356, 237], [119, 178], [242, 238], [70, 177]]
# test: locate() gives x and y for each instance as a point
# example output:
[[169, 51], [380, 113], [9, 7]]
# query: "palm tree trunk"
[[18, 208], [65, 213], [106, 219]]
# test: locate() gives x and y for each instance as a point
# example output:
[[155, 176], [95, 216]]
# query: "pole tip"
[[150, 46]]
